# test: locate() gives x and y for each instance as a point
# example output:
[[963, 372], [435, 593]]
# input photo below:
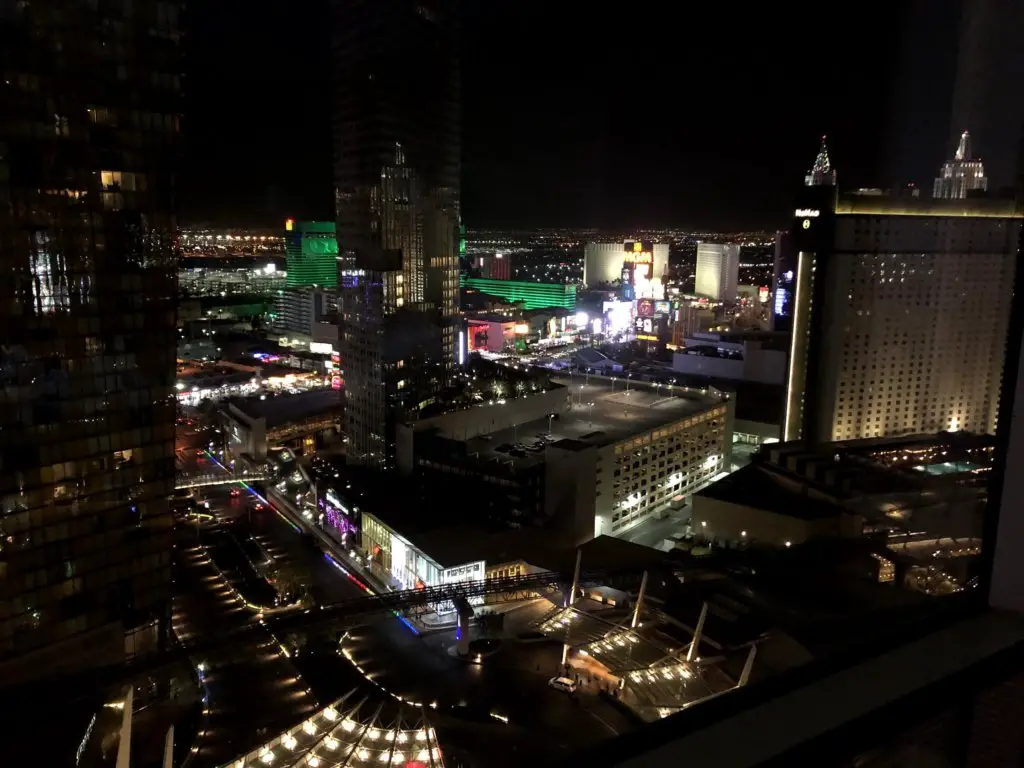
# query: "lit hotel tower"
[[961, 175], [88, 294], [818, 192], [900, 316], [822, 174], [396, 152]]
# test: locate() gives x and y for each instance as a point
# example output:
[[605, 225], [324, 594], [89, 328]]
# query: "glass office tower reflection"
[[396, 147], [88, 278]]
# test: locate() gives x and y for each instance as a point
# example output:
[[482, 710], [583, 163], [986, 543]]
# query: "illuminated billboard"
[[644, 326], [639, 246], [650, 328], [335, 368], [617, 316], [337, 519], [645, 308], [662, 307]]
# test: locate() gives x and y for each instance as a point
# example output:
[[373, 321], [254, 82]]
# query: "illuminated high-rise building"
[[718, 269], [961, 175], [782, 282], [397, 148], [900, 316], [311, 248], [822, 174], [494, 266], [88, 287], [603, 262]]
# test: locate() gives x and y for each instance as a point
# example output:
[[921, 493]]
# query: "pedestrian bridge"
[[218, 478]]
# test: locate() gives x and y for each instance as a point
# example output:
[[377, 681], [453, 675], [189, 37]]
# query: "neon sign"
[[807, 213], [640, 257]]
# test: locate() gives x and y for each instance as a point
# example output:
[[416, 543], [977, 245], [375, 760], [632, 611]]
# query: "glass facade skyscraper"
[[88, 284], [312, 251], [396, 147], [532, 295]]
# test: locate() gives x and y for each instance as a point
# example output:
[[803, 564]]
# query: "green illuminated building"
[[312, 251], [533, 295]]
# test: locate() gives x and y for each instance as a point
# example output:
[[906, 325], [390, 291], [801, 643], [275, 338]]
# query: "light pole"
[[628, 377], [550, 417], [587, 379]]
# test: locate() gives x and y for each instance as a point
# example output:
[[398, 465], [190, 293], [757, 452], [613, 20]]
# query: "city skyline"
[[554, 136], [415, 383]]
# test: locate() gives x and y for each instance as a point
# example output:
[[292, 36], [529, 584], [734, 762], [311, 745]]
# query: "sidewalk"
[[424, 622], [518, 616], [285, 507]]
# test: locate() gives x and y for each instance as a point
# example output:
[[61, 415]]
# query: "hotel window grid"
[[944, 317], [675, 460]]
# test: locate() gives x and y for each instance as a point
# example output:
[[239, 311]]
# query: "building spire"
[[963, 150], [822, 174], [962, 176], [821, 163]]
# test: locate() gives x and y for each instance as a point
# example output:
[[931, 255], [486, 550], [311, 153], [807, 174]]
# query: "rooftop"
[[285, 409], [908, 206], [857, 468], [352, 729], [602, 413], [754, 484]]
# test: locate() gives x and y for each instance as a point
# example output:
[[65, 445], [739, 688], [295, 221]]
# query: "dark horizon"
[[561, 129]]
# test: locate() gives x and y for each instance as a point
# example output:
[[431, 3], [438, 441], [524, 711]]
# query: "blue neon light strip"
[[329, 557]]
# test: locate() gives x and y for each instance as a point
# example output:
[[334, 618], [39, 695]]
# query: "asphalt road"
[[253, 689], [544, 724]]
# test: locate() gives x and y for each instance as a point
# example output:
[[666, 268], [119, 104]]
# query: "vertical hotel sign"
[[639, 261], [335, 371]]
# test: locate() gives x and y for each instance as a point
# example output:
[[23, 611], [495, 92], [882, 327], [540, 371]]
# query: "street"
[[253, 689], [511, 683]]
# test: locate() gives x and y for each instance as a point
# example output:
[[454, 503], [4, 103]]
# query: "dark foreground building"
[[396, 148], [88, 282]]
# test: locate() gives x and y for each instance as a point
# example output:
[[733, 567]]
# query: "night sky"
[[574, 115]]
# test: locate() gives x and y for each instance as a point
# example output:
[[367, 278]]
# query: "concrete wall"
[[715, 367], [479, 420], [762, 429], [485, 419], [570, 490], [727, 520], [758, 364], [245, 434]]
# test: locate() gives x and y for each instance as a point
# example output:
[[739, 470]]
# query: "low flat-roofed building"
[[600, 457], [919, 491], [255, 424], [751, 505]]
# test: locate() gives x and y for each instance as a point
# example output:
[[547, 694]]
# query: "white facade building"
[[960, 175], [602, 262], [718, 269]]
